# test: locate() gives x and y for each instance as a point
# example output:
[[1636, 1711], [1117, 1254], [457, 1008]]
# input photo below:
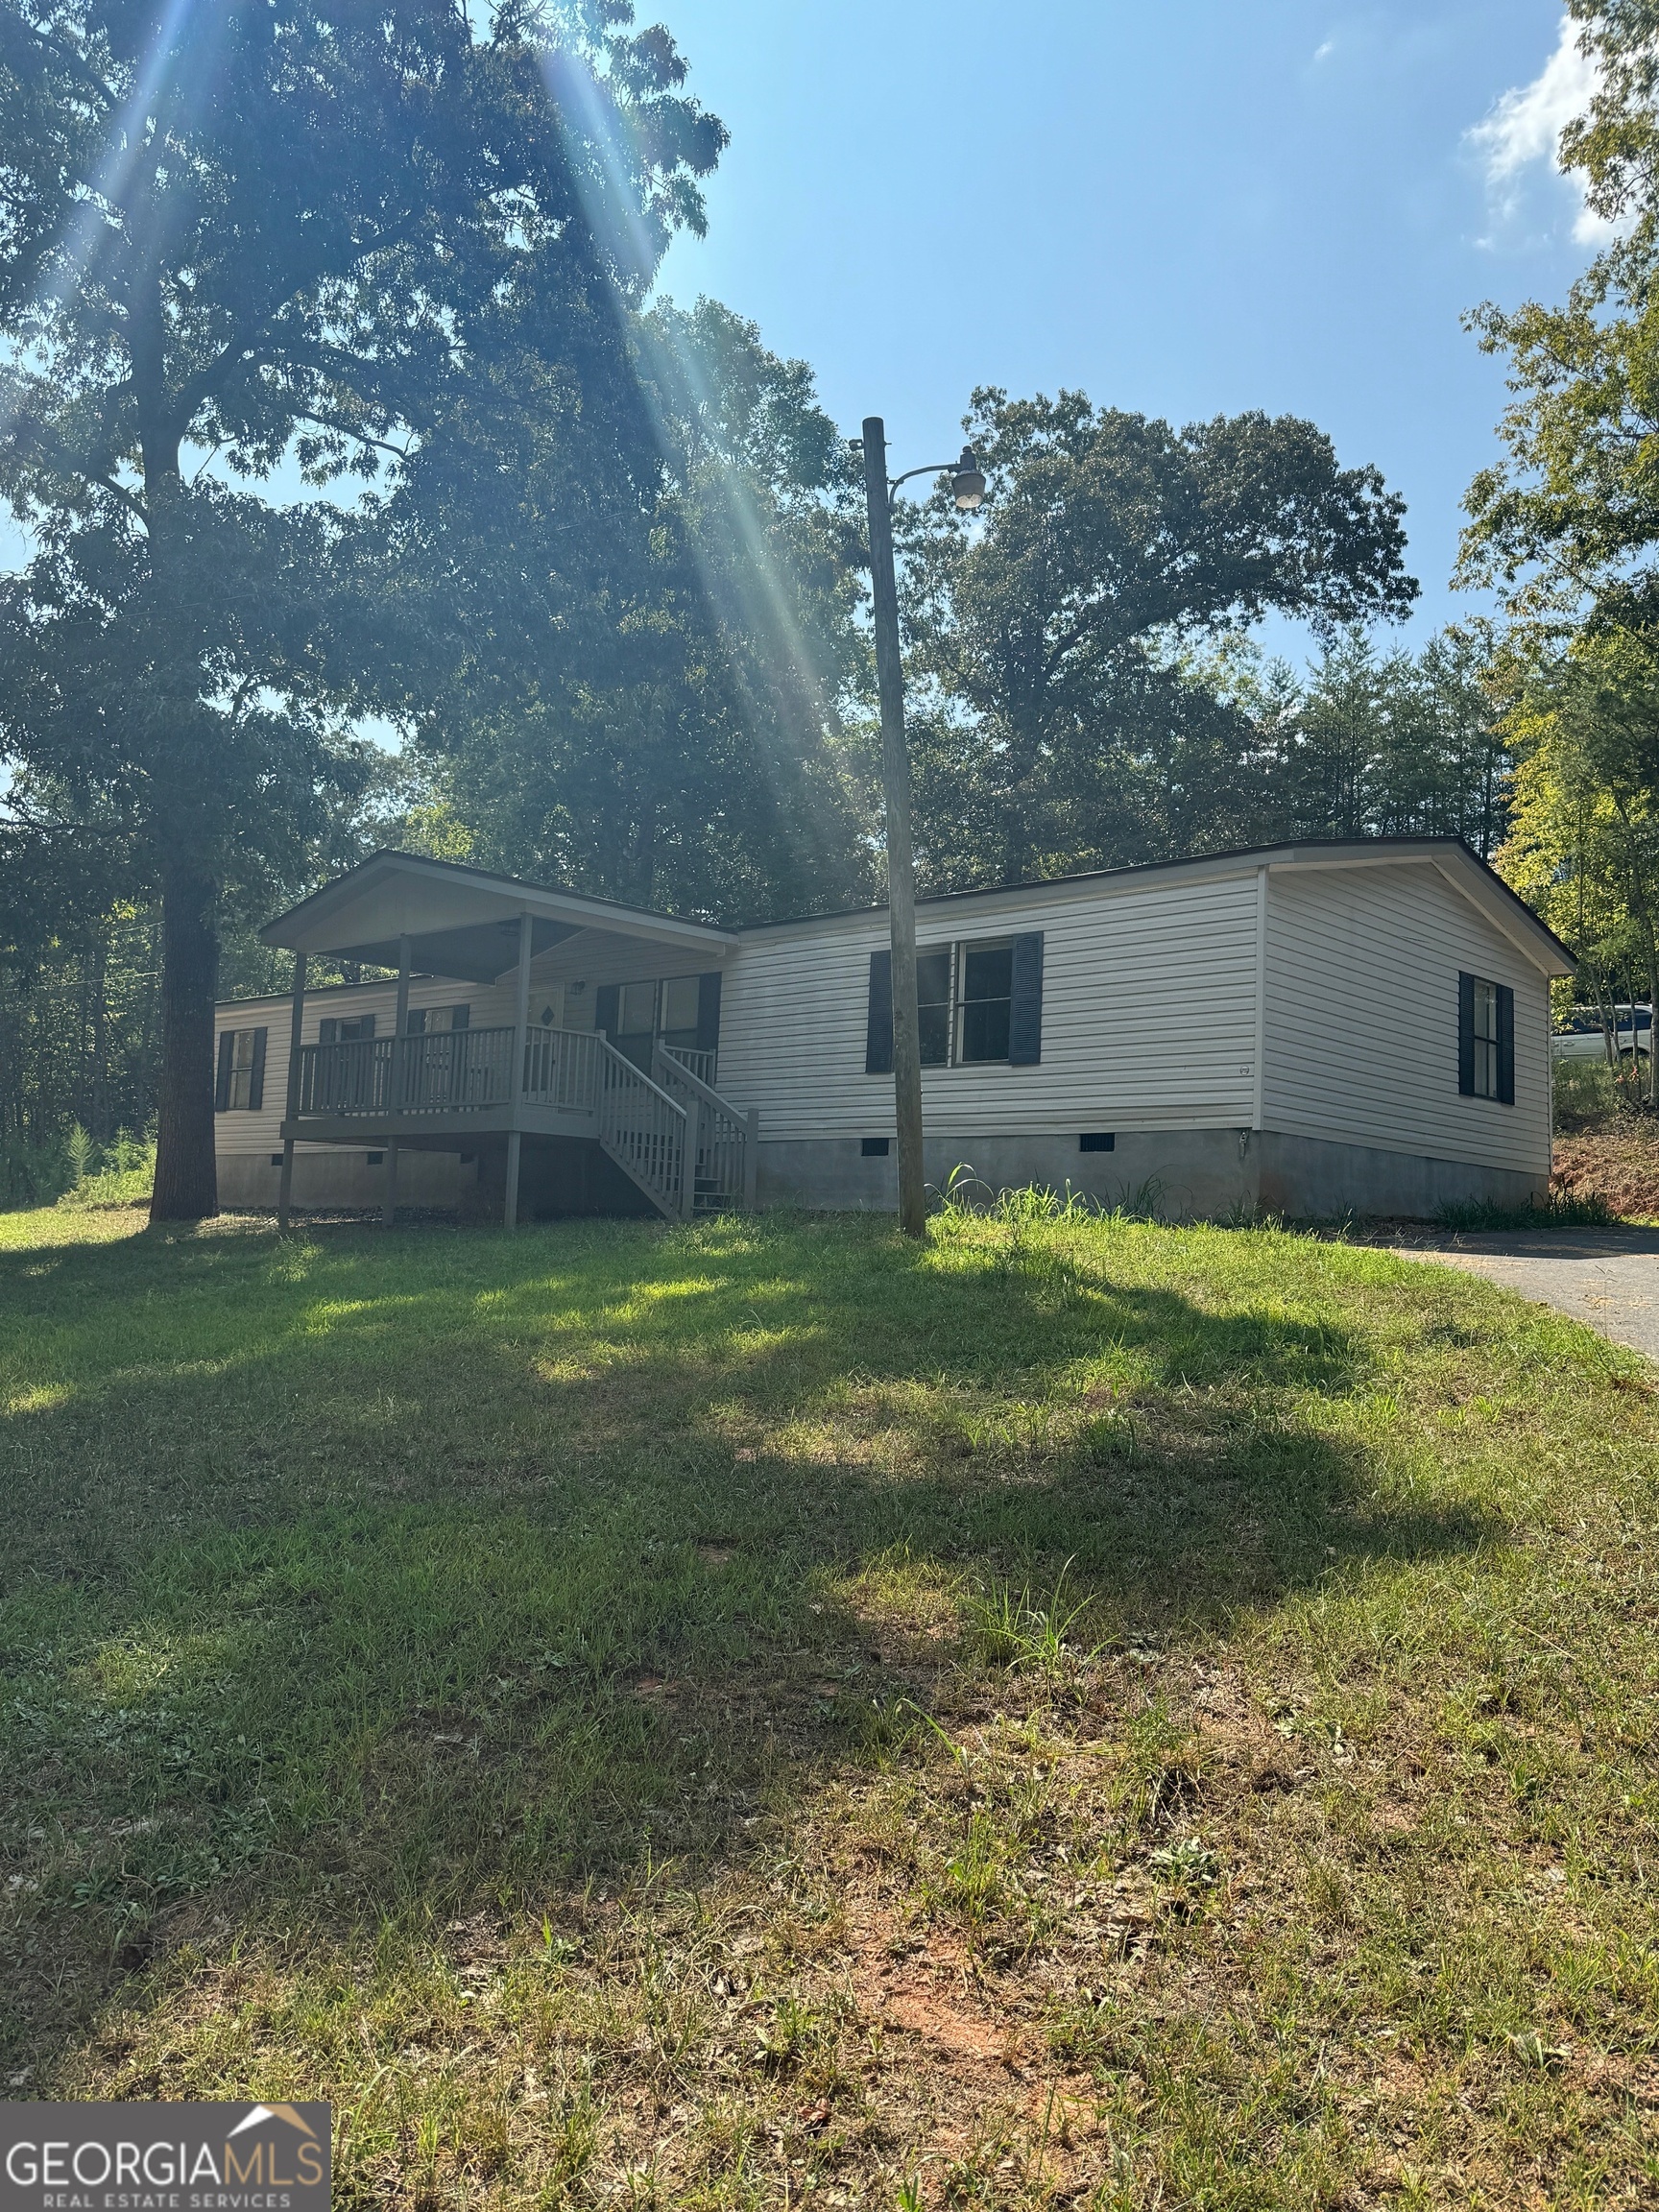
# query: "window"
[[933, 1007], [1097, 1140], [682, 1011], [1485, 1040], [239, 1085], [977, 1004], [678, 1019], [987, 1001], [425, 1020], [345, 1028], [636, 1010], [874, 1148]]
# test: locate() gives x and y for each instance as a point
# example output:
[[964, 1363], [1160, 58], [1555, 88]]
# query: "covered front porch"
[[648, 1101]]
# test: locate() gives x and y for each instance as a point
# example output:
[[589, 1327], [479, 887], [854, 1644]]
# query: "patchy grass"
[[759, 1715], [1560, 1210]]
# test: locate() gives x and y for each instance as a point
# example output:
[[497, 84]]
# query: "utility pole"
[[969, 486], [900, 858]]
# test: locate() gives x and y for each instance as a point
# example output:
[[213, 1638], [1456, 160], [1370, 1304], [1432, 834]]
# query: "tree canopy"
[[238, 236], [1052, 633]]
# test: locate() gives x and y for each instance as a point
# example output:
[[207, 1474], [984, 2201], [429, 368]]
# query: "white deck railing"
[[679, 1141]]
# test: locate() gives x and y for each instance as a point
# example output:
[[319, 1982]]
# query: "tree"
[[644, 701], [1054, 636], [1584, 849], [1378, 744], [1565, 528], [251, 234]]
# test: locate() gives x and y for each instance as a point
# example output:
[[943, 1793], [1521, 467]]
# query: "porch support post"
[[750, 1156], [296, 1030], [516, 1089], [399, 1028], [692, 1140]]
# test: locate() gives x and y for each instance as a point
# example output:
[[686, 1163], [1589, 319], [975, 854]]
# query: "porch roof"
[[462, 922]]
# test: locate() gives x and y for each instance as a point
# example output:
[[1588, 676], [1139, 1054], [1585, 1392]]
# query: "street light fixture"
[[968, 488]]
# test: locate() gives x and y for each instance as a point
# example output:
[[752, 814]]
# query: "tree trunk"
[[186, 1177]]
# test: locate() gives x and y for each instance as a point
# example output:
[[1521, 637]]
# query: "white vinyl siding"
[[1362, 968], [1148, 1016]]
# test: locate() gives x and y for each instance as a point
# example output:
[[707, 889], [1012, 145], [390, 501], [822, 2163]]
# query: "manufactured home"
[[1359, 1026]]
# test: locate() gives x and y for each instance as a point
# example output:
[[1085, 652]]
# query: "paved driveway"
[[1608, 1278]]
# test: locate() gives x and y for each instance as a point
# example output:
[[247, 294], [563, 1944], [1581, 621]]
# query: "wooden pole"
[[296, 1032], [901, 859], [751, 1158], [521, 1042], [691, 1141], [400, 1027]]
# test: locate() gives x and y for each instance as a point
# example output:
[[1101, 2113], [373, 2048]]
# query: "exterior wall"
[[327, 1176], [1307, 1179], [1181, 1012], [1148, 1017], [1179, 1173], [1361, 1017]]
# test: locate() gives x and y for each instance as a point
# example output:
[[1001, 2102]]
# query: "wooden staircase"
[[687, 1148]]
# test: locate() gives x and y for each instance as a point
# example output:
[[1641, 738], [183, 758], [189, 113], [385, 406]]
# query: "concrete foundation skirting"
[[1308, 1176], [249, 1181], [1180, 1174]]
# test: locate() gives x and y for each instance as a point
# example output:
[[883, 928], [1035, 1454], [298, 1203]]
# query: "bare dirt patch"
[[1616, 1160]]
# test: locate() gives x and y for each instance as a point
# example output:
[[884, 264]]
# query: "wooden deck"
[[687, 1147]]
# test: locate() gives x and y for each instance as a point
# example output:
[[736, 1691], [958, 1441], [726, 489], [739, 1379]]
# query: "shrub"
[[1584, 1091]]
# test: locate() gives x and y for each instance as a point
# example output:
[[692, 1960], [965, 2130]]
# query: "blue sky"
[[1187, 208]]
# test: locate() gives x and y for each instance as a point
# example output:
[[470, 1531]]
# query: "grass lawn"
[[1075, 1714]]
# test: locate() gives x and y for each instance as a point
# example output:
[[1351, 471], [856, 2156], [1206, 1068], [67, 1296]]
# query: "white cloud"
[[1524, 127], [1325, 52]]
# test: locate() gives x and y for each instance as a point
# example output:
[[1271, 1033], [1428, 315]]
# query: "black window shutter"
[[879, 1023], [328, 1030], [1025, 1011], [367, 1029], [226, 1057], [709, 1011], [1466, 1035], [1505, 1046], [460, 1016], [256, 1074], [605, 1010]]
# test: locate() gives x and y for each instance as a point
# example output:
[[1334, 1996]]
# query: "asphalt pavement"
[[1608, 1278]]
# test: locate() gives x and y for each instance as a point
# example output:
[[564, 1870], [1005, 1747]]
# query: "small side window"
[[239, 1086], [1485, 1040]]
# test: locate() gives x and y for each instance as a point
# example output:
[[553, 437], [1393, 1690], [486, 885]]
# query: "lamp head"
[[967, 481]]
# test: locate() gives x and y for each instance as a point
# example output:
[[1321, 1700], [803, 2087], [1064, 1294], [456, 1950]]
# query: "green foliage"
[[310, 236], [1584, 1091], [648, 704], [1066, 728], [1561, 1209]]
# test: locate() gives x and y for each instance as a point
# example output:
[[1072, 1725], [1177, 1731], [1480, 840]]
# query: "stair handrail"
[[732, 1127], [675, 1188], [695, 1084], [609, 1051]]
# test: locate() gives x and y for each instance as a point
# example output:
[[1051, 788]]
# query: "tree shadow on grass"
[[370, 1575]]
